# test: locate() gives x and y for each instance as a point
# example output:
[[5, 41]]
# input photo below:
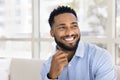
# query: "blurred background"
[[24, 28]]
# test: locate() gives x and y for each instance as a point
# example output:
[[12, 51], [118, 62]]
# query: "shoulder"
[[94, 49], [88, 50], [95, 52], [99, 56]]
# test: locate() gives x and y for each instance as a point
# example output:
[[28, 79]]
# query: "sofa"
[[29, 69], [25, 69]]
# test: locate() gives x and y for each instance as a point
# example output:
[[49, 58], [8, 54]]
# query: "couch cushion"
[[25, 69]]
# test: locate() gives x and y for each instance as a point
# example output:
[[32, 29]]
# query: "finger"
[[61, 56], [60, 53], [64, 62]]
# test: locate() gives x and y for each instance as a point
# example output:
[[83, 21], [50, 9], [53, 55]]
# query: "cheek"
[[78, 32], [58, 33], [58, 36]]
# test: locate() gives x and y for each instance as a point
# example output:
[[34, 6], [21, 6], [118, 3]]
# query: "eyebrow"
[[62, 24], [74, 23]]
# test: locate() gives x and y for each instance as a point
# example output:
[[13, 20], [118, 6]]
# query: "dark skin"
[[66, 31]]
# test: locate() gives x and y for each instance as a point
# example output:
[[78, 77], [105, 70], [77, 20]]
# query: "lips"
[[69, 39]]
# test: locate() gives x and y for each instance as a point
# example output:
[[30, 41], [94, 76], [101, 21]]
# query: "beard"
[[65, 47]]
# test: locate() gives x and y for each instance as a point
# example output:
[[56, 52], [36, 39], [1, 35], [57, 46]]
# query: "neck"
[[70, 55]]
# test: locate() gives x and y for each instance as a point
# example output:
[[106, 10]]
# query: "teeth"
[[69, 39]]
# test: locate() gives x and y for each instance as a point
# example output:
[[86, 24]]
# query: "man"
[[73, 59]]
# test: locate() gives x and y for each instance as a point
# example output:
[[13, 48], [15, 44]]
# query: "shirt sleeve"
[[104, 67], [45, 70]]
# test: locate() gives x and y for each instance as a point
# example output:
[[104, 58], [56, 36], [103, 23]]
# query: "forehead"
[[65, 17]]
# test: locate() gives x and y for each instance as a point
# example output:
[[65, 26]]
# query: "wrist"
[[51, 77]]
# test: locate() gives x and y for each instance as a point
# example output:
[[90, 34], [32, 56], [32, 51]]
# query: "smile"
[[69, 39]]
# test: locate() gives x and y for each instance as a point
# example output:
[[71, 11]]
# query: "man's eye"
[[75, 26], [62, 27]]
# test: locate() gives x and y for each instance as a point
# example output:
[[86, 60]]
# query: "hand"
[[59, 61]]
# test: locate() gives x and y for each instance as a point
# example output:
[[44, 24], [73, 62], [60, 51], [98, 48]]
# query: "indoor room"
[[26, 42]]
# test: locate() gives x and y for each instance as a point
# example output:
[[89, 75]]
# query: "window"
[[15, 29], [24, 28], [97, 20], [117, 45]]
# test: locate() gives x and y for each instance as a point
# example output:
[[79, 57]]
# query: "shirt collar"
[[80, 50]]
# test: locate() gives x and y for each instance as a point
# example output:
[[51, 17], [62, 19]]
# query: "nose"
[[69, 32]]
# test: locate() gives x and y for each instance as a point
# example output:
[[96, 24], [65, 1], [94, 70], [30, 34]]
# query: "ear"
[[51, 33]]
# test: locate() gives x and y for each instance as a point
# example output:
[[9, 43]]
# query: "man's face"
[[65, 31]]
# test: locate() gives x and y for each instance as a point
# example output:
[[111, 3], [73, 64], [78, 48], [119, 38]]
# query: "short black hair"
[[60, 10]]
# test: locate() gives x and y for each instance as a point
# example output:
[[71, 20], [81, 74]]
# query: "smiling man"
[[73, 59]]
